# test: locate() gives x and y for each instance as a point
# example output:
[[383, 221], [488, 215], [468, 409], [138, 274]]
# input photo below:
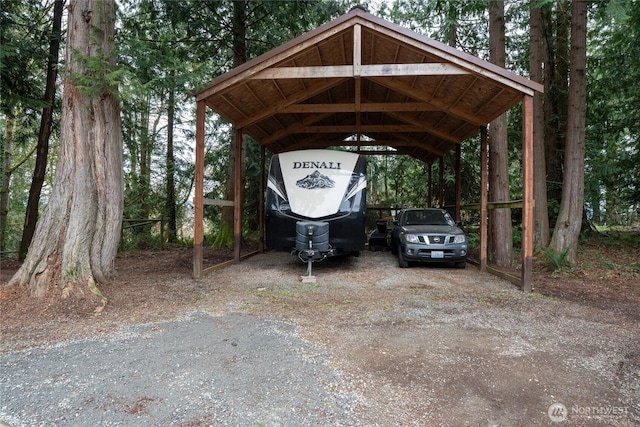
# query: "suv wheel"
[[402, 263]]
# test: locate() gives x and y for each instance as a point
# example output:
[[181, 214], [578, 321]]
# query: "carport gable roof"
[[362, 81]]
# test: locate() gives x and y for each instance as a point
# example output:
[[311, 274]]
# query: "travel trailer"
[[316, 203]]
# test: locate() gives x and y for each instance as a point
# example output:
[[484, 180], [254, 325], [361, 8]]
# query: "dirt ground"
[[429, 345]]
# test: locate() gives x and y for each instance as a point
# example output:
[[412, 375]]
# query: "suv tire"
[[402, 263]]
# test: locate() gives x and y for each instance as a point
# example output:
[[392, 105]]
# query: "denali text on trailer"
[[315, 204]]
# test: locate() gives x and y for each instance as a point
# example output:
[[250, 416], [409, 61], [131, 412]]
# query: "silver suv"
[[428, 235]]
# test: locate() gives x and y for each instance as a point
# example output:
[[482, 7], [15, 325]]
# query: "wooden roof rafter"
[[456, 57], [439, 106], [367, 73], [297, 98]]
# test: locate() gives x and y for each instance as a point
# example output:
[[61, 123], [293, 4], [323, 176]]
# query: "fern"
[[556, 260]]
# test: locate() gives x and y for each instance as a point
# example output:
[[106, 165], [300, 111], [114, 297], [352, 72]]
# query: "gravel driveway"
[[234, 370], [368, 344]]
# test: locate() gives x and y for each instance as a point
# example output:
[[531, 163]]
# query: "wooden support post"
[[484, 189], [441, 183], [430, 185], [527, 189], [357, 70], [263, 184], [458, 183], [237, 196], [357, 51], [198, 232]]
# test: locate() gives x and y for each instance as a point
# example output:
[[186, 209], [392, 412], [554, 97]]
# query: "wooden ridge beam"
[[371, 70]]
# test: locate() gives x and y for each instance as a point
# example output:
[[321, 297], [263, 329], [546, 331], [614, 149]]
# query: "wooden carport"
[[362, 81]]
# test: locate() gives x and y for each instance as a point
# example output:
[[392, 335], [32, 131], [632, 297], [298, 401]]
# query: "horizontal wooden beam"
[[228, 263], [492, 205], [499, 273], [408, 90], [301, 96], [398, 70], [405, 118], [376, 152], [305, 72], [363, 128], [365, 107], [372, 70], [218, 202], [294, 128]]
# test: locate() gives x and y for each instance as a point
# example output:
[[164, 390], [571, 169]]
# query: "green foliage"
[[141, 236], [178, 46], [448, 21], [24, 35], [517, 237], [99, 75], [473, 239], [616, 237], [613, 130], [556, 260], [25, 31], [165, 47]]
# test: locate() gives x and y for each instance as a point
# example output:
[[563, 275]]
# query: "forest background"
[[165, 49]]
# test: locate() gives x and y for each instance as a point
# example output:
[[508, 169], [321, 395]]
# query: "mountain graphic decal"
[[315, 180]]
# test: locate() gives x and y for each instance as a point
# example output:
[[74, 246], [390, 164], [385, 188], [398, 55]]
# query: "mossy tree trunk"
[[569, 224], [541, 233], [76, 239]]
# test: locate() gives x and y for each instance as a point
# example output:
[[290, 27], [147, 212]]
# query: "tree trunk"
[[144, 168], [568, 226], [31, 215], [536, 58], [239, 46], [171, 190], [452, 23], [10, 127], [555, 105], [501, 241], [76, 239]]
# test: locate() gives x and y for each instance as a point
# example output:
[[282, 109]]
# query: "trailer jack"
[[309, 278], [312, 244], [310, 256]]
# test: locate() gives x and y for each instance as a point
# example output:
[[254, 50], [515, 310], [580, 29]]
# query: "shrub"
[[556, 260]]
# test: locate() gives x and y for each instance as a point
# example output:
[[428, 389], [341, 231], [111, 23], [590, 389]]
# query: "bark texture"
[[556, 76], [569, 223], [76, 239], [42, 152], [500, 219], [536, 58], [239, 46]]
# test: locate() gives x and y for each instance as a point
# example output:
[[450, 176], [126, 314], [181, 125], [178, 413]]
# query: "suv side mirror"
[[459, 224], [394, 222]]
